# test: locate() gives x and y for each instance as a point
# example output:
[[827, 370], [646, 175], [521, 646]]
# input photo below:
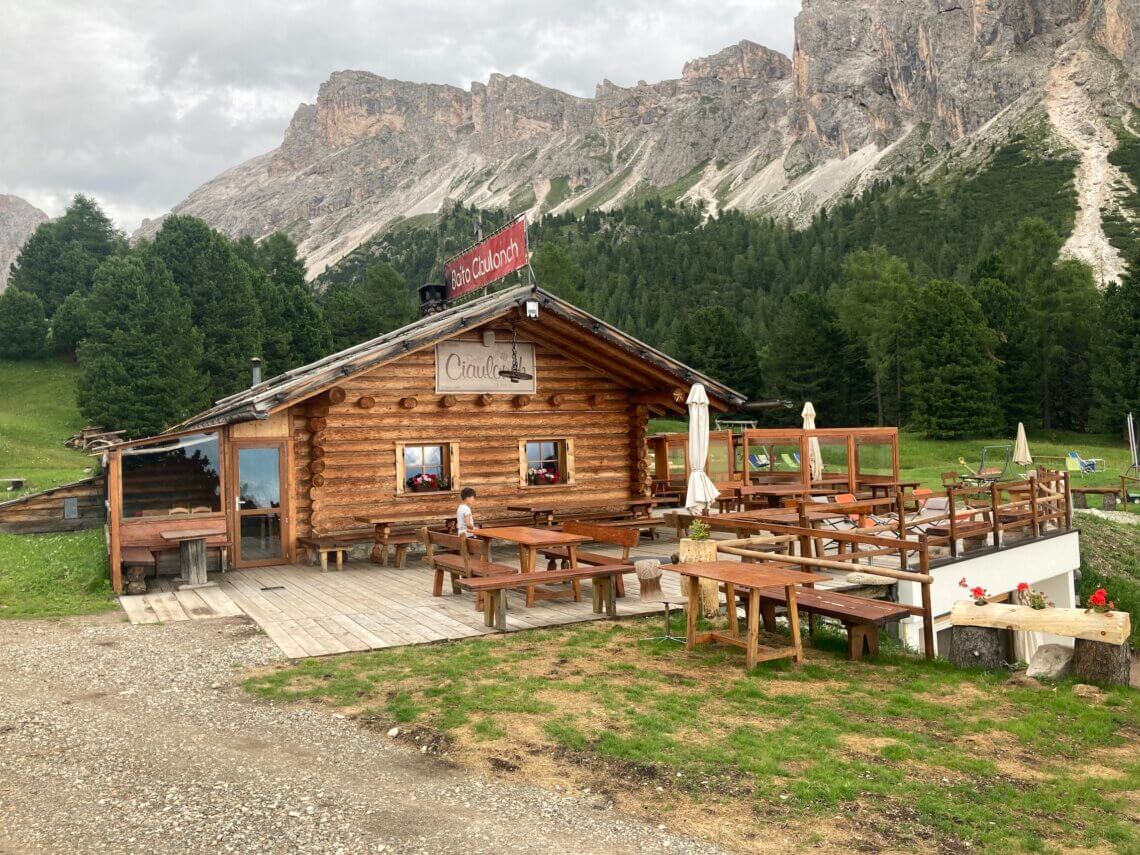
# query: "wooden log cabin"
[[396, 426]]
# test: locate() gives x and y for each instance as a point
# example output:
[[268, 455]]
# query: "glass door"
[[261, 492]]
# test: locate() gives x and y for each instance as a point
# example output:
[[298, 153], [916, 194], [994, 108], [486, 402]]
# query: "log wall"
[[345, 442], [43, 511]]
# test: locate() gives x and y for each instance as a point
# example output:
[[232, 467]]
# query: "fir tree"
[[62, 255], [379, 303], [23, 330], [951, 369], [712, 341], [220, 288], [69, 323], [1116, 354], [139, 362]]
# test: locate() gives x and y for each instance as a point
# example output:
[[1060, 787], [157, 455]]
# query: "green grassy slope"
[[37, 413]]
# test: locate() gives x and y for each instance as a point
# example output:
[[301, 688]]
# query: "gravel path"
[[125, 739]]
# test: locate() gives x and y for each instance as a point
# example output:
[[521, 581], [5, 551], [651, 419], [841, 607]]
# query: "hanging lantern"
[[515, 373]]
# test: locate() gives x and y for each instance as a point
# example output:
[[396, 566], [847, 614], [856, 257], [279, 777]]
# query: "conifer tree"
[[379, 303], [139, 363], [1116, 354], [712, 341], [952, 372], [61, 256], [23, 329], [220, 288]]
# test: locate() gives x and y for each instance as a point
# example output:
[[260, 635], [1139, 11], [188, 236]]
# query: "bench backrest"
[[438, 541], [623, 537]]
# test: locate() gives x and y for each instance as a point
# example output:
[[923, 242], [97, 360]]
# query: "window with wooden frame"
[[546, 462], [427, 467]]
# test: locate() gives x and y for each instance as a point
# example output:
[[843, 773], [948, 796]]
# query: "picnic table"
[[544, 512], [753, 578], [530, 541], [776, 493], [191, 552], [888, 487]]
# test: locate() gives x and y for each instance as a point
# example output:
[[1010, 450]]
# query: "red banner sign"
[[503, 252]]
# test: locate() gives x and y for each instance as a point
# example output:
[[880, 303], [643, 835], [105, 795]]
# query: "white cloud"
[[138, 102]]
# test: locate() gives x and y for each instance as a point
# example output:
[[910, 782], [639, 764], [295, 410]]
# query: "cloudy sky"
[[138, 102]]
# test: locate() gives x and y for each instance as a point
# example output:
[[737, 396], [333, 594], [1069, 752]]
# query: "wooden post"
[[693, 551], [995, 502], [927, 608], [953, 526], [193, 556], [336, 395], [1033, 512], [1068, 501], [900, 507]]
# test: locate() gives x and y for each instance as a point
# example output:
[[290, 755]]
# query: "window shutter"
[[522, 462], [453, 464], [569, 461], [400, 468]]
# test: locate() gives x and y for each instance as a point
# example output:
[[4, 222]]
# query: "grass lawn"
[[1110, 559], [51, 575], [37, 413], [901, 753]]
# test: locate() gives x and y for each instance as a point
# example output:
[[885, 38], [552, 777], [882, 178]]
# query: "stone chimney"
[[255, 372], [433, 298]]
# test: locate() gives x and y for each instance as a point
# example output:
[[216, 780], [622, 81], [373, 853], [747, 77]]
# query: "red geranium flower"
[[1023, 586], [977, 592], [962, 583], [1098, 597]]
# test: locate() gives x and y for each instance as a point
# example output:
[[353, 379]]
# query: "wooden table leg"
[[610, 599], [527, 557], [379, 545], [753, 627], [730, 598], [694, 610], [794, 621], [575, 585], [193, 558], [500, 606]]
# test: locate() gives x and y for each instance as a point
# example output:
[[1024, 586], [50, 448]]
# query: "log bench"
[[495, 588], [1081, 494], [860, 616], [327, 545]]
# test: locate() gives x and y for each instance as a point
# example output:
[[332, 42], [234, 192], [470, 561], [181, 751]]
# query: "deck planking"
[[367, 607]]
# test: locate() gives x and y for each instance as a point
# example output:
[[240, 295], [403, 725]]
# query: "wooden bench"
[[626, 538], [461, 558], [14, 483], [1080, 496], [326, 545], [495, 587], [137, 561], [860, 616]]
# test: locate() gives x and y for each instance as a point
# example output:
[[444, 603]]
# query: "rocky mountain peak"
[[872, 87], [18, 219]]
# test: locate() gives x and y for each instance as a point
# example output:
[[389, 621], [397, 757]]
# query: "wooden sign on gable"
[[473, 367]]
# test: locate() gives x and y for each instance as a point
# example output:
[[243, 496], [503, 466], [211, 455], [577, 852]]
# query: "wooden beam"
[[448, 401], [1108, 627], [408, 403], [337, 395], [366, 402]]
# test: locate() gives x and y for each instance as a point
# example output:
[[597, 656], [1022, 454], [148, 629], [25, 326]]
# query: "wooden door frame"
[[285, 469]]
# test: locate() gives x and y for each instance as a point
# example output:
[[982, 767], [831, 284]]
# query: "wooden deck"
[[367, 607]]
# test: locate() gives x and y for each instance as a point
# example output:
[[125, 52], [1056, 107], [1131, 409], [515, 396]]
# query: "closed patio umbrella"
[[701, 492], [815, 463], [1021, 455]]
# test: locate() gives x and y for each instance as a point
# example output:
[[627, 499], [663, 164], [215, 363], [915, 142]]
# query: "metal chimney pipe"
[[255, 372], [433, 297]]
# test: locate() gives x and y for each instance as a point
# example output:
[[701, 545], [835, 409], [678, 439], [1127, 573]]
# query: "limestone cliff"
[[873, 86], [18, 219]]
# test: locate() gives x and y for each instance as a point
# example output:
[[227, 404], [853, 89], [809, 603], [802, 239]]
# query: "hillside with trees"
[[942, 305]]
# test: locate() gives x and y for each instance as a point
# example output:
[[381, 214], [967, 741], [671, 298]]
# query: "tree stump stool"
[[977, 647], [1098, 662]]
